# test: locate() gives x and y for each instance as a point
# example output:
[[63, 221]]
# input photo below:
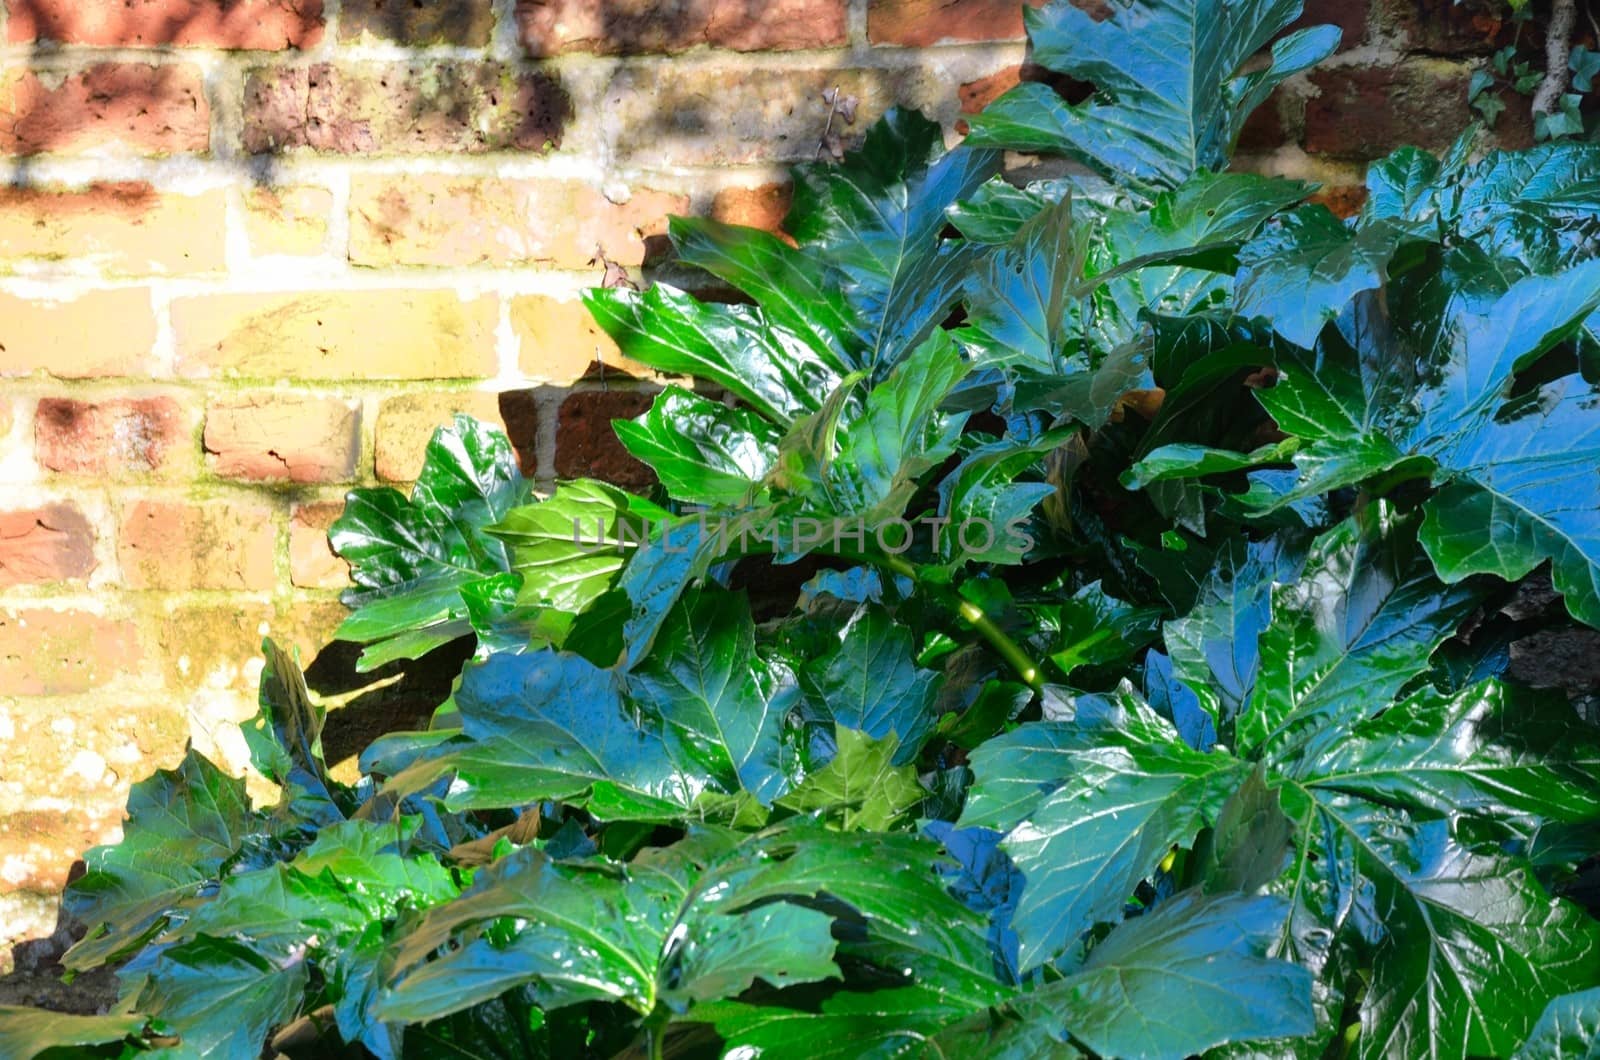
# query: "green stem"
[[998, 639]]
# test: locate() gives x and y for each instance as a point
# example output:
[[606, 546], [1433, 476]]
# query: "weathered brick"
[[50, 544], [283, 437], [6, 418], [207, 647], [55, 653], [126, 228], [919, 23], [38, 847], [263, 25], [102, 333], [762, 207], [586, 443], [381, 334], [561, 342], [287, 220], [407, 422], [118, 436], [677, 114], [437, 219], [134, 106], [1345, 200], [210, 545], [464, 22], [1365, 112], [78, 751], [399, 108], [312, 562], [637, 27], [1454, 27], [1349, 15]]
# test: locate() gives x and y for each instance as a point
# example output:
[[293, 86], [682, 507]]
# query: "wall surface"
[[252, 252]]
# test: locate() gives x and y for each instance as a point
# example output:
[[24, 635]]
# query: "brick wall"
[[253, 252]]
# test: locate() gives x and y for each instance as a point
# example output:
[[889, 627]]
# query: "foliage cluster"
[[1224, 761]]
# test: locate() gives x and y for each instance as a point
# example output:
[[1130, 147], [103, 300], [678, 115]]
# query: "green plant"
[[1205, 748]]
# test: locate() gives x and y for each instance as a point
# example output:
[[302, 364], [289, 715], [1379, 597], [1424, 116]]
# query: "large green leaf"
[[876, 221], [1361, 620], [410, 559], [1090, 807], [872, 682], [285, 740], [1172, 95], [550, 725], [720, 705], [570, 549], [702, 451], [1515, 468], [222, 997], [736, 347], [184, 826], [861, 784], [1189, 975], [26, 1033], [1306, 268], [1569, 1029]]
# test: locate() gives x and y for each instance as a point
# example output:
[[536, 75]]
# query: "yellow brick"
[[287, 220], [387, 334], [122, 228], [103, 333]]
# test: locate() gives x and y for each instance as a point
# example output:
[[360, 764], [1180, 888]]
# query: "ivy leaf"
[[1185, 977], [410, 559], [184, 825], [1569, 1029], [860, 784], [702, 451], [871, 682], [1090, 806], [876, 220], [1150, 124]]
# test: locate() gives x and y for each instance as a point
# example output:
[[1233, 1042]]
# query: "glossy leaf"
[[860, 786], [26, 1033], [871, 682], [411, 558], [1569, 1029], [1172, 98], [702, 451]]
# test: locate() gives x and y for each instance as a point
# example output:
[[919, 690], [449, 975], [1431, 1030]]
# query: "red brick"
[[637, 27], [109, 437], [50, 544], [976, 95], [919, 23], [126, 228], [210, 545], [764, 207], [586, 443], [312, 562], [1264, 129], [399, 108], [283, 437], [264, 25], [433, 219], [138, 107], [1345, 200], [102, 333], [1366, 112], [1453, 27], [463, 22], [57, 653], [375, 334], [1349, 15]]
